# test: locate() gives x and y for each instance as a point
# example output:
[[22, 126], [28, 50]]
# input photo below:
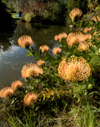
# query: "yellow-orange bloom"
[[60, 36], [87, 29], [25, 41], [6, 92], [76, 69], [96, 18], [72, 39], [87, 37], [84, 46], [76, 12], [31, 70], [44, 48], [63, 35], [40, 62], [30, 98], [56, 50], [76, 38], [56, 37], [62, 68], [16, 84]]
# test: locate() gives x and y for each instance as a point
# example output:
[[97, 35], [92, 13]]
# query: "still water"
[[13, 57]]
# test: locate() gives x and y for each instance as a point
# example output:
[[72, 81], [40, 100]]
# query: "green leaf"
[[29, 54], [95, 60]]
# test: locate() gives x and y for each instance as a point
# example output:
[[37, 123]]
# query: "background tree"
[[6, 21]]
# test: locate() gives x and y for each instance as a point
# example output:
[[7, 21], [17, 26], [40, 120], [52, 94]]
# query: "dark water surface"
[[13, 57]]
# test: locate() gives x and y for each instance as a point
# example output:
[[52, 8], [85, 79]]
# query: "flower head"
[[6, 92], [84, 46], [60, 36], [96, 18], [30, 98], [40, 62], [87, 29], [31, 70], [76, 12], [72, 39], [56, 37], [56, 50], [87, 37], [77, 38], [25, 41], [44, 48], [16, 84], [76, 69]]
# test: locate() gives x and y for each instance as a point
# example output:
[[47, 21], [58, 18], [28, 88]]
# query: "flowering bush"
[[65, 78]]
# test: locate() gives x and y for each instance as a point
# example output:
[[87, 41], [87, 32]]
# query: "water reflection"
[[13, 57]]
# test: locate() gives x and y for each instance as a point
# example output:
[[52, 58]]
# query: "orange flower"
[[60, 36], [56, 38], [25, 41], [31, 70], [6, 92], [30, 98], [64, 35], [16, 84], [56, 50], [40, 62], [87, 29], [80, 37], [96, 18], [62, 67], [76, 12], [87, 37], [44, 48], [72, 39], [76, 69], [76, 38], [84, 46]]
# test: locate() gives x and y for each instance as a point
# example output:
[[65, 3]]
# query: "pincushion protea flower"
[[56, 37], [87, 37], [16, 84], [40, 62], [76, 12], [44, 48], [25, 41], [60, 36], [96, 18], [77, 38], [84, 46], [72, 39], [76, 69], [6, 92], [30, 98], [31, 70], [56, 50], [87, 29]]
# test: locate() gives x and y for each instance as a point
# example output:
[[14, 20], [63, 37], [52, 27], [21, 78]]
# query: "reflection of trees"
[[41, 34], [4, 41]]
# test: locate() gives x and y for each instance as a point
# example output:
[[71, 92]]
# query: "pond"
[[13, 57]]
